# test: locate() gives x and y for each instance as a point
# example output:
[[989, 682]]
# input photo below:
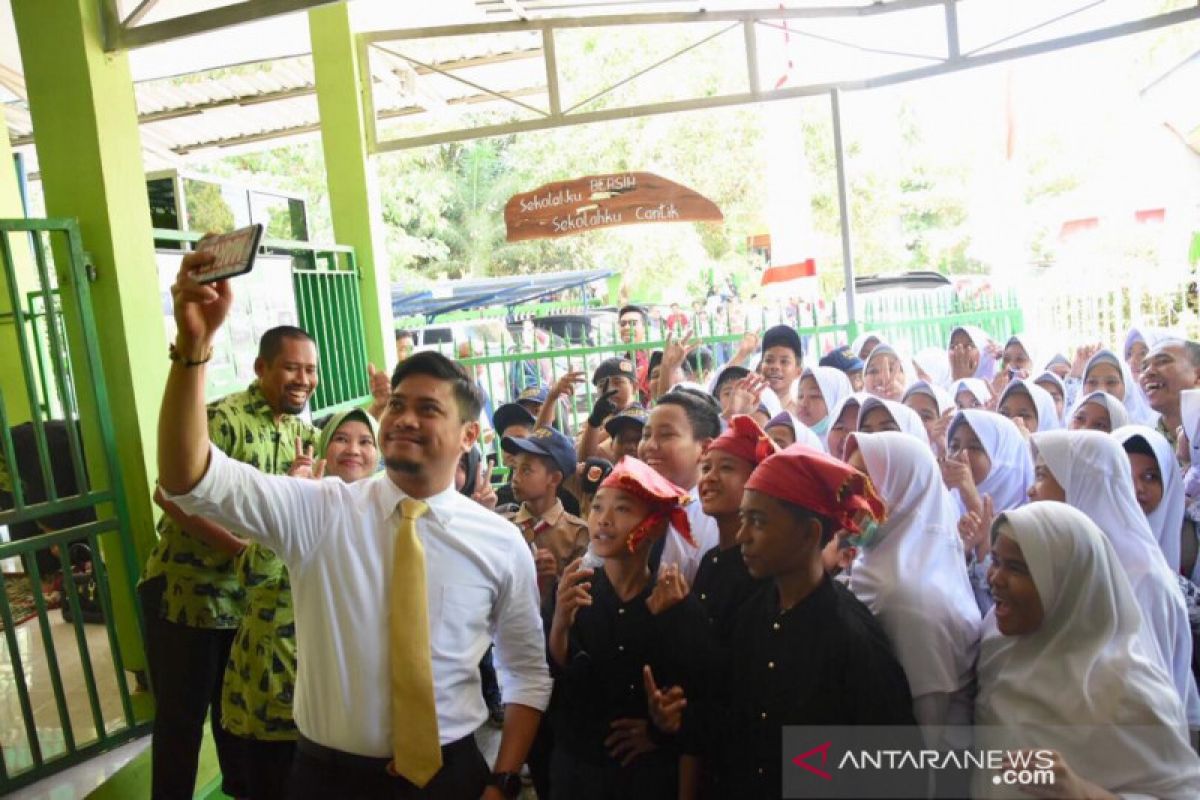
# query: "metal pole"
[[844, 213]]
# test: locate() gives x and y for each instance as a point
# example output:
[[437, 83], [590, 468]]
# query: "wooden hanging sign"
[[603, 201]]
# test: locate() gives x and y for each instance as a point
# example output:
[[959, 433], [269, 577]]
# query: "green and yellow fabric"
[[260, 678], [203, 587]]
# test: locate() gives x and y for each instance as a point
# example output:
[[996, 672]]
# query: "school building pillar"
[[353, 193], [12, 380], [89, 154]]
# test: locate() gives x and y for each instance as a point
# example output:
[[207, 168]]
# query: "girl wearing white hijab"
[[875, 415], [933, 622], [935, 407], [1090, 471], [1062, 666], [817, 392], [785, 430], [1030, 403], [887, 374], [843, 421], [978, 352], [865, 342], [1098, 411], [1104, 372], [1058, 392], [971, 393], [1158, 486], [1019, 355], [1001, 466]]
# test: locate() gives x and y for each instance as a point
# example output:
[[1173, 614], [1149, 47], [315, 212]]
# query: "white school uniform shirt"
[[705, 534], [336, 539], [1094, 471], [913, 577], [1081, 684]]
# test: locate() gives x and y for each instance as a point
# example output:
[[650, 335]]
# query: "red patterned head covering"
[[745, 440], [819, 483], [666, 500]]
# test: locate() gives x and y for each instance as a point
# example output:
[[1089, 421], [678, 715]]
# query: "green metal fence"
[[68, 678], [505, 366], [325, 281]]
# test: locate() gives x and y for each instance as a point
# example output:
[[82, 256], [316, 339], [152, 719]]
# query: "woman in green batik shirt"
[[256, 702]]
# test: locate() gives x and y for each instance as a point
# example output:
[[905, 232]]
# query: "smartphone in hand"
[[235, 253]]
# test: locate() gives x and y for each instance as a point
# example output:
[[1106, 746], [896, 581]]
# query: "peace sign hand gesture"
[[304, 465]]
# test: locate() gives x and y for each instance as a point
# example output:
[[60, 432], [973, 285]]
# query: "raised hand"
[[574, 593], [565, 386], [746, 395], [975, 528], [747, 345], [604, 407], [956, 474], [381, 390], [484, 494], [303, 461], [962, 365], [1083, 355], [669, 590], [200, 308], [677, 349], [665, 707]]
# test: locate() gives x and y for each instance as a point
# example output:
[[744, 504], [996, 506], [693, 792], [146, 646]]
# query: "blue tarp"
[[464, 295]]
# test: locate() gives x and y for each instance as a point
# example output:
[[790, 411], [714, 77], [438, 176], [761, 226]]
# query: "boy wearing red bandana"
[[607, 624], [804, 650]]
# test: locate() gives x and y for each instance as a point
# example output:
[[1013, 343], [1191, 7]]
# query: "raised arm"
[[183, 421]]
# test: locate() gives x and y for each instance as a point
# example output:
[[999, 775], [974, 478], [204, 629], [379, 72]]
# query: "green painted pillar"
[[12, 381], [89, 153], [353, 192]]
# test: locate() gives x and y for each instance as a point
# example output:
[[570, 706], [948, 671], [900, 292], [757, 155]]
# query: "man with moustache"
[[1172, 366], [387, 693], [191, 595]]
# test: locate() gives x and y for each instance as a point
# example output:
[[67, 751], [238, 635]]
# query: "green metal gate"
[[64, 690]]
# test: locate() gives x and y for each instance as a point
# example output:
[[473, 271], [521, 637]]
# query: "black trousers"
[[267, 768], [320, 773], [650, 777], [187, 667]]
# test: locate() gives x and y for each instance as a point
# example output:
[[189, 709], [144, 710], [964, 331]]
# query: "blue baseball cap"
[[545, 442], [635, 414], [844, 359], [534, 394], [511, 414]]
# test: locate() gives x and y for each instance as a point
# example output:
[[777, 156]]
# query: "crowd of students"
[[988, 535]]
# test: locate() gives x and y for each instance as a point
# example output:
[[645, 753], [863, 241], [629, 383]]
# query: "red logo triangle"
[[802, 761]]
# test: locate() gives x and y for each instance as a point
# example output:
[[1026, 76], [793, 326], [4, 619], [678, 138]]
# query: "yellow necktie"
[[416, 750]]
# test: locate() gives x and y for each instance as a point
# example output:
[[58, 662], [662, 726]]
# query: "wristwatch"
[[509, 783]]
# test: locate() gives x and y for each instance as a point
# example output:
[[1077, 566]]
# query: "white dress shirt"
[[705, 534], [336, 539]]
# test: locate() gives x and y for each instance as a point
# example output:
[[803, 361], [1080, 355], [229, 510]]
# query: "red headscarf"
[[819, 483], [745, 440], [666, 500]]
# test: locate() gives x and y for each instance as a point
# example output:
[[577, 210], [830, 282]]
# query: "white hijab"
[[935, 364], [1022, 340], [1057, 358], [1135, 403], [979, 337], [1149, 336], [1166, 521], [906, 366], [834, 387], [1047, 375], [1082, 682], [943, 401], [1118, 417], [1094, 471], [862, 338], [1189, 414], [853, 399], [908, 420], [913, 576], [1047, 414], [1011, 475], [975, 386], [802, 432]]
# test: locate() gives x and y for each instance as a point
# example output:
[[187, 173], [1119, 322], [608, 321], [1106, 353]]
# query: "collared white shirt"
[[705, 534], [336, 539]]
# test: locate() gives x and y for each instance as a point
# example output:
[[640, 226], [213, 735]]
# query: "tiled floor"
[[79, 781], [35, 667]]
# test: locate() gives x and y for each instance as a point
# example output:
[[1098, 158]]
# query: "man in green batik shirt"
[[191, 593]]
